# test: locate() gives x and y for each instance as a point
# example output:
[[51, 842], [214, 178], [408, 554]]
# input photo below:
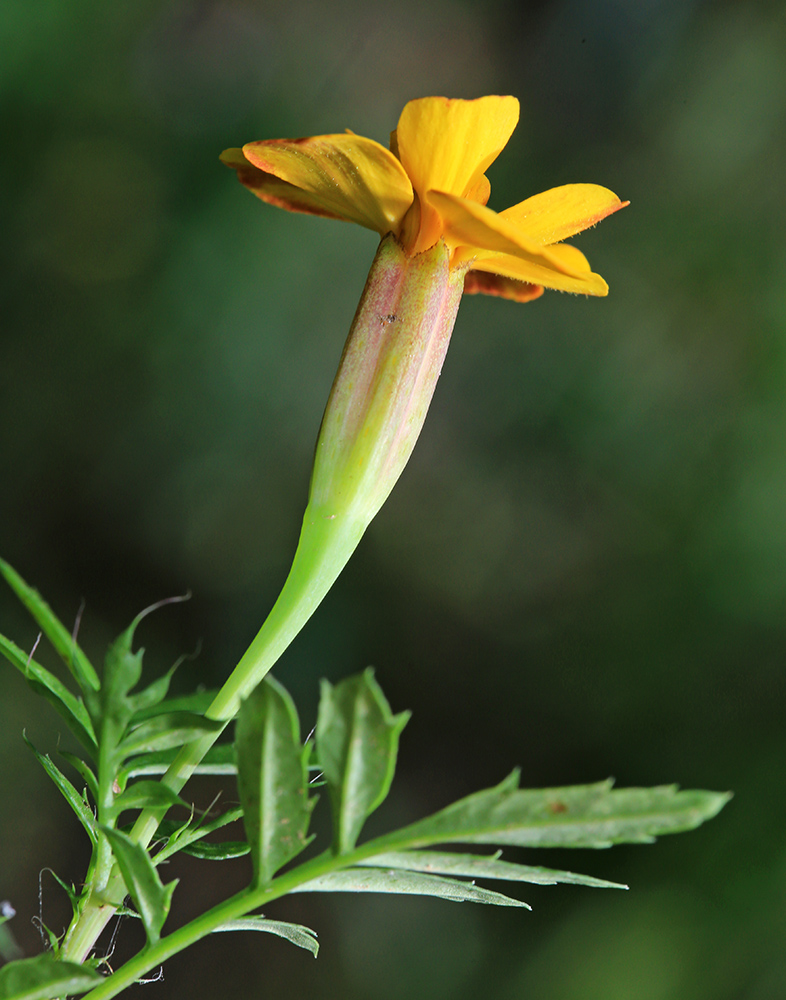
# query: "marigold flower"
[[426, 196], [431, 185]]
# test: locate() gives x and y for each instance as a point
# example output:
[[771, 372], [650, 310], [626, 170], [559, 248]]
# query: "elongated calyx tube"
[[385, 381]]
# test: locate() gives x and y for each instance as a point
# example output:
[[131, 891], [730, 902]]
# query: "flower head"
[[430, 185]]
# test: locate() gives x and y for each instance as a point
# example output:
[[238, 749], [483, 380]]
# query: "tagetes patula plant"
[[426, 196]]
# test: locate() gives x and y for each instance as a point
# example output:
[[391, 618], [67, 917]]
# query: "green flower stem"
[[326, 543]]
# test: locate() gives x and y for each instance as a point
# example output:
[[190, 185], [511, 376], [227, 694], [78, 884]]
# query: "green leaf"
[[578, 816], [187, 837], [164, 732], [410, 883], [44, 683], [112, 708], [74, 900], [357, 743], [220, 759], [225, 850], [272, 778], [44, 977], [151, 898], [86, 773], [302, 936], [147, 794], [67, 790], [64, 643], [149, 698], [197, 702], [479, 866]]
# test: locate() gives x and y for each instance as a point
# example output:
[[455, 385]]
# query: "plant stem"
[[231, 909], [325, 545], [96, 914], [327, 541]]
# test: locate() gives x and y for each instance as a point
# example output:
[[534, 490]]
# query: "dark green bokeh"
[[583, 569]]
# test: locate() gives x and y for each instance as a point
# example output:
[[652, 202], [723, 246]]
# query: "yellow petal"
[[234, 158], [562, 212], [508, 266], [344, 176], [448, 145], [480, 191], [495, 284], [271, 189], [477, 230]]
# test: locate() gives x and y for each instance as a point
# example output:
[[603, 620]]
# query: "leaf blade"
[[197, 702], [357, 744], [297, 934], [272, 778], [165, 732], [122, 670], [220, 759], [64, 643], [44, 976], [84, 772], [146, 795], [43, 682], [187, 837], [577, 816], [67, 790], [481, 866], [224, 850], [397, 881], [151, 897]]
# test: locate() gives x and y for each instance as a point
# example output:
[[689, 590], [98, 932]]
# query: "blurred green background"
[[582, 570]]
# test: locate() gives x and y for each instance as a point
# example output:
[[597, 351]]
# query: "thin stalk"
[[233, 908], [319, 559]]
